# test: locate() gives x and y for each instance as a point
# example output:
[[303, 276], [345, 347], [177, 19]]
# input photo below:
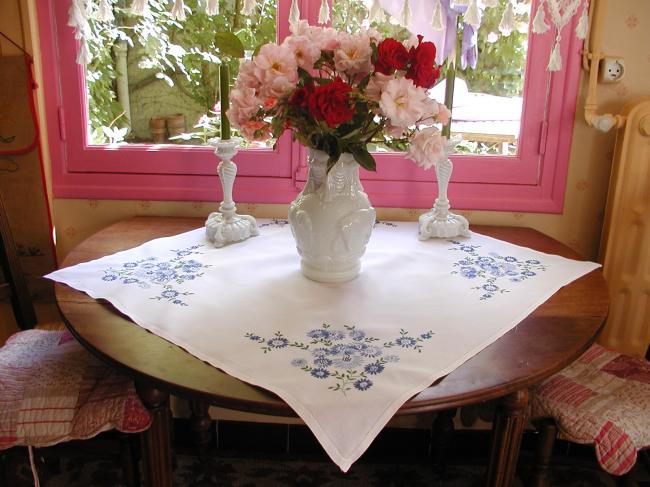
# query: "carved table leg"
[[507, 431], [156, 441], [201, 423], [543, 453], [442, 429]]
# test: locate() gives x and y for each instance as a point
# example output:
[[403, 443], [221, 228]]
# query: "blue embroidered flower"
[[298, 362], [468, 272], [130, 265], [320, 373], [109, 277], [357, 334], [277, 342], [129, 280], [374, 368], [170, 293], [348, 363], [363, 384], [492, 269], [406, 342]]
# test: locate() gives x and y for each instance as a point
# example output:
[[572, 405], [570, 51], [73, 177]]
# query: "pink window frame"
[[532, 181]]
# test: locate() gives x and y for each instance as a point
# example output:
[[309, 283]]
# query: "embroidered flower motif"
[[168, 274], [274, 222], [348, 362], [492, 269]]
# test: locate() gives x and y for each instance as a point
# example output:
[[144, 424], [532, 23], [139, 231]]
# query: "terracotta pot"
[[176, 124], [158, 126]]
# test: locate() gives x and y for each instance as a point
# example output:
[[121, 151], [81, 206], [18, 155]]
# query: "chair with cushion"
[[602, 399], [51, 389]]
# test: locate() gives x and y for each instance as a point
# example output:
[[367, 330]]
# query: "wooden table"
[[553, 336]]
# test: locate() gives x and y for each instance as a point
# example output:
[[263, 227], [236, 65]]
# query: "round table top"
[[549, 339]]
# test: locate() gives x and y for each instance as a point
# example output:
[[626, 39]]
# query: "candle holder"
[[439, 222], [226, 226]]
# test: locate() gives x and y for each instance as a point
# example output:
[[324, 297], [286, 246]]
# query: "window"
[[513, 157]]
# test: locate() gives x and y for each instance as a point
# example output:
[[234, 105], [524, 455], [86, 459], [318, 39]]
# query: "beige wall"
[[626, 32]]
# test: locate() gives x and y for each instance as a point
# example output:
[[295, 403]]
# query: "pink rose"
[[403, 103], [243, 106], [353, 55], [276, 68], [304, 50], [444, 114], [427, 147]]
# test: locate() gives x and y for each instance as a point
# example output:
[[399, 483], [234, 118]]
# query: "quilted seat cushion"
[[603, 399], [52, 390]]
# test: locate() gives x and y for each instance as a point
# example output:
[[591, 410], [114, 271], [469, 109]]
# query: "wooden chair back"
[[14, 286]]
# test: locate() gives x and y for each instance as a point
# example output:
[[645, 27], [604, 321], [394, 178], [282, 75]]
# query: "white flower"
[[353, 55], [376, 85], [403, 102], [305, 51], [427, 147]]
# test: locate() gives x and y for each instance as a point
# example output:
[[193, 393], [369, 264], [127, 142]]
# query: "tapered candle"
[[224, 90]]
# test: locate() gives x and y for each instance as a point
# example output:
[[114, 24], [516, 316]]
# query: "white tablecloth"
[[345, 356]]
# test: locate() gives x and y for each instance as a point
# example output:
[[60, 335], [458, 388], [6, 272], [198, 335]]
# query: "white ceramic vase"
[[331, 220]]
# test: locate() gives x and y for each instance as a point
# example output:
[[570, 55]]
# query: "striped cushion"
[[52, 390], [603, 398]]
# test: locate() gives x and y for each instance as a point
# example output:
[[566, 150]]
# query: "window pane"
[[164, 73], [487, 105]]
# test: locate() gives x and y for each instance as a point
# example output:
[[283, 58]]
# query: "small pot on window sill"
[[158, 126], [176, 124]]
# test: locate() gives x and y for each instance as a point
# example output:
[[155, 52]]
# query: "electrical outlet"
[[612, 70]]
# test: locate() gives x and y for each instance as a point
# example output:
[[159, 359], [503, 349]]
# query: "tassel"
[[376, 13], [472, 15], [178, 10], [249, 7], [555, 61], [438, 21], [212, 7], [508, 22], [405, 16], [491, 3], [78, 19], [294, 13], [105, 12], [583, 23], [324, 14], [139, 7], [539, 23]]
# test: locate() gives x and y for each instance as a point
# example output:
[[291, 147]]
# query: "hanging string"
[[583, 23], [178, 10], [324, 14], [376, 13], [139, 7], [539, 23], [212, 7], [105, 11], [555, 61], [437, 21], [249, 7], [472, 15], [32, 464], [294, 13], [508, 21], [405, 16], [78, 20]]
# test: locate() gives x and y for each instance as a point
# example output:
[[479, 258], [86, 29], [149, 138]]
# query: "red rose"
[[391, 55], [300, 97], [331, 103], [422, 69]]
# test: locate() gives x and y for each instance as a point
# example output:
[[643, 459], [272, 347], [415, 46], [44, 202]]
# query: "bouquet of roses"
[[339, 92]]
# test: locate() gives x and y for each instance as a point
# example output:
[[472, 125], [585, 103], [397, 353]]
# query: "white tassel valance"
[[139, 7], [376, 12], [555, 60], [105, 11], [583, 23], [539, 22], [78, 20], [212, 7], [405, 16], [249, 7], [178, 10], [473, 15], [508, 21], [294, 13], [324, 13], [437, 21]]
